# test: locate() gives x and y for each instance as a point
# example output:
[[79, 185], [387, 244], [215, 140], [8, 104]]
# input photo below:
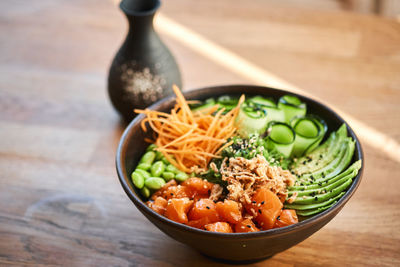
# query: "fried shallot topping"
[[245, 176]]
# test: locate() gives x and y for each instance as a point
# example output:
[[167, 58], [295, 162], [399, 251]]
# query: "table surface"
[[61, 201]]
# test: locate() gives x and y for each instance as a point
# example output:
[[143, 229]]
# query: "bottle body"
[[143, 70]]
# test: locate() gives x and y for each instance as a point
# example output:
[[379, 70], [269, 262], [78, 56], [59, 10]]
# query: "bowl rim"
[[120, 165]]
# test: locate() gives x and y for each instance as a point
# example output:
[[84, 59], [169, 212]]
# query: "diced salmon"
[[163, 189], [178, 208], [204, 208], [229, 211], [221, 227], [245, 226], [198, 197], [177, 191], [198, 186], [282, 198], [286, 218], [159, 205], [199, 223], [265, 206]]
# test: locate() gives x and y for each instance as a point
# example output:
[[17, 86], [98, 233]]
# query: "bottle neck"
[[140, 25]]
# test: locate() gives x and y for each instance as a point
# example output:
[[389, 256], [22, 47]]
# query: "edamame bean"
[[172, 168], [168, 176], [154, 183], [151, 147], [164, 159], [144, 166], [159, 155], [145, 192], [157, 169], [148, 157], [181, 176], [144, 173], [137, 180]]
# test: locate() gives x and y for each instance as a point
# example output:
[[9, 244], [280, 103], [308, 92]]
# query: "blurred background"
[[61, 201], [386, 8]]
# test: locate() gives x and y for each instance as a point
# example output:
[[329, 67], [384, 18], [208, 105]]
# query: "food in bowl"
[[242, 164]]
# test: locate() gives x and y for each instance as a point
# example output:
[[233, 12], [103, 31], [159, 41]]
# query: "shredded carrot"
[[190, 139]]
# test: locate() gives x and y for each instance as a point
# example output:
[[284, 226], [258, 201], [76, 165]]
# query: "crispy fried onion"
[[245, 176]]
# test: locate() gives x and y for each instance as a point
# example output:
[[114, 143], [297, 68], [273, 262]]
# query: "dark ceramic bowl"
[[238, 246]]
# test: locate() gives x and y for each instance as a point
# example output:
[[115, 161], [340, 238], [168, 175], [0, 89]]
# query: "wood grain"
[[61, 202]]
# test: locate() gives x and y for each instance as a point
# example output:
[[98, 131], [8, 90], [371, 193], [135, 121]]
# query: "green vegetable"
[[137, 180], [181, 176], [314, 206], [350, 171], [251, 119], [322, 155], [273, 112], [314, 211], [164, 159], [144, 166], [281, 137], [154, 183], [324, 183], [148, 157], [157, 169], [168, 176], [326, 188], [291, 107], [159, 155], [144, 173], [227, 102], [145, 192], [172, 168], [207, 103], [334, 167], [310, 130], [323, 197], [151, 147]]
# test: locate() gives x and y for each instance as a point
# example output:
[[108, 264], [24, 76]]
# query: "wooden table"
[[61, 201]]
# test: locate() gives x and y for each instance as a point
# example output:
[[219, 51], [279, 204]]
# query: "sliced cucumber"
[[292, 107], [281, 137], [251, 120], [228, 102], [269, 105], [206, 104], [310, 130]]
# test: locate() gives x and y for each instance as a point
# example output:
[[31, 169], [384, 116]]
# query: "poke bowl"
[[265, 242]]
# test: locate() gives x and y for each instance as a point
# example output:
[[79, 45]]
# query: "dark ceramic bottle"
[[143, 71]]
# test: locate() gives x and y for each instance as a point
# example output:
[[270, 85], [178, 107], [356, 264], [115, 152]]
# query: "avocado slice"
[[323, 184], [321, 174], [327, 188], [322, 155], [323, 197], [345, 161], [314, 206], [314, 211], [353, 169]]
